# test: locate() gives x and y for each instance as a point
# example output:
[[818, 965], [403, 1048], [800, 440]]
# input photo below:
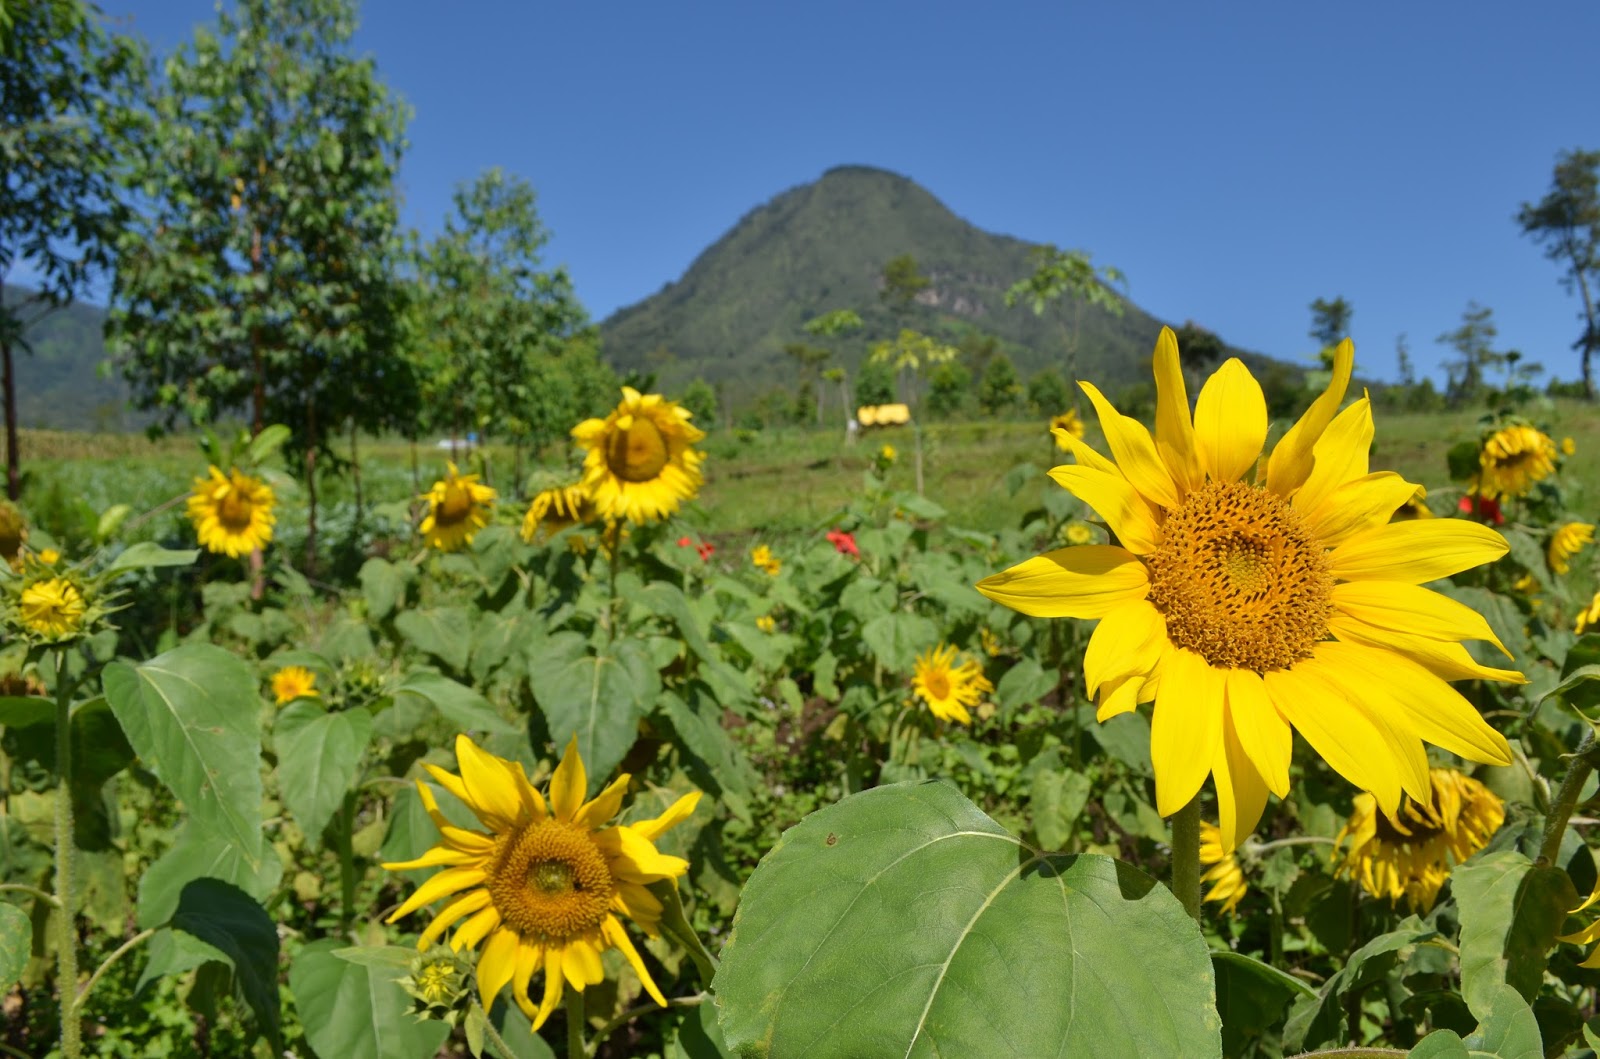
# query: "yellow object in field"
[[883, 415]]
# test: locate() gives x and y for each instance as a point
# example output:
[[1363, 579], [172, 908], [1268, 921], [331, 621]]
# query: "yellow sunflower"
[[1566, 542], [1222, 869], [640, 465], [991, 643], [294, 682], [1568, 447], [458, 507], [232, 514], [1512, 459], [946, 688], [1077, 533], [1589, 617], [888, 454], [762, 558], [541, 887], [1068, 421], [53, 608], [766, 623], [1248, 598], [13, 532], [1409, 855], [554, 510]]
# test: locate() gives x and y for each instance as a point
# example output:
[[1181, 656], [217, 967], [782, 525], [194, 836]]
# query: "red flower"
[[1486, 508], [843, 543], [684, 542], [705, 548]]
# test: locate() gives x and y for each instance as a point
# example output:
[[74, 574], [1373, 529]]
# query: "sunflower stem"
[[675, 923], [1186, 857], [493, 1034], [682, 1002], [576, 1048], [1555, 827], [67, 940]]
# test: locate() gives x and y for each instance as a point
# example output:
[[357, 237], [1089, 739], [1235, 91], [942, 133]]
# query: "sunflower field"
[[1233, 746]]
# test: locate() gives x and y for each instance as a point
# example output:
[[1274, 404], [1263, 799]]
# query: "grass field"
[[773, 482]]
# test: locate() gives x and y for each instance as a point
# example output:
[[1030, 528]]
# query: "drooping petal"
[[568, 784], [1336, 730], [491, 791], [464, 905], [1339, 456], [1087, 581], [1261, 730], [1116, 501], [1230, 422], [1414, 610], [552, 985], [1357, 506], [581, 962], [1442, 658], [639, 905], [1402, 749], [1126, 641], [1186, 728], [529, 955], [676, 813], [496, 964], [617, 936], [1175, 440], [439, 885], [1291, 458], [1135, 452], [604, 805], [1416, 552], [1241, 792]]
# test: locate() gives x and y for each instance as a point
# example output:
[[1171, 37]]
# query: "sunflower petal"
[[441, 884], [496, 965], [604, 805], [1263, 734], [1135, 451], [1175, 439], [492, 794], [1413, 609], [1357, 506], [1085, 454], [1116, 501], [569, 784], [475, 929], [464, 905], [1416, 552], [1241, 792], [529, 955], [1186, 728], [433, 858], [1230, 422], [1341, 734], [676, 813], [1088, 581], [634, 858], [552, 985], [1444, 659], [1291, 458], [581, 963], [1339, 456], [1126, 641], [613, 932]]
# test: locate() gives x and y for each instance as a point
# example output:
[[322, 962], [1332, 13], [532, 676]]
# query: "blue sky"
[[1234, 165]]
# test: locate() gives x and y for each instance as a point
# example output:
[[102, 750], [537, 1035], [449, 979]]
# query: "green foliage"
[[1566, 223], [1330, 321], [949, 388], [874, 384], [1000, 388], [701, 401], [1199, 350], [355, 1010], [1048, 393], [902, 282]]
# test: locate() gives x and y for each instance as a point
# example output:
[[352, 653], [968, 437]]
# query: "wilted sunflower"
[[1589, 617], [946, 688], [1248, 598], [1409, 855], [1566, 542], [458, 507], [1070, 422], [294, 682], [761, 558], [554, 510], [640, 465], [1222, 869], [232, 514], [1512, 459], [53, 608], [542, 886]]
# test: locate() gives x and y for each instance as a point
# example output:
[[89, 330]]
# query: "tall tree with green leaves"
[[1330, 321], [259, 275], [1473, 342], [1058, 273], [1566, 222], [66, 87], [902, 282], [830, 327]]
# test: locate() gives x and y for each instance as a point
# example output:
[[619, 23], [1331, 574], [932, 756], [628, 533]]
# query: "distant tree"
[[838, 377], [808, 364], [1566, 222], [911, 354], [830, 327], [66, 86], [1330, 321], [1403, 365], [977, 348], [260, 272], [1058, 272], [1001, 387], [1473, 342], [701, 401], [949, 385], [1048, 393], [874, 384], [902, 282], [1199, 350]]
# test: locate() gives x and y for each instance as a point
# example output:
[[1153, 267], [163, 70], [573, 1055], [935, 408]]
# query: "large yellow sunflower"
[[1566, 542], [640, 465], [1409, 855], [1512, 460], [458, 507], [553, 510], [948, 689], [232, 514], [541, 887], [53, 608], [1222, 869], [1248, 598]]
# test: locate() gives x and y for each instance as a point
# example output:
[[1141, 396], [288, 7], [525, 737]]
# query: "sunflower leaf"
[[901, 921], [319, 754], [597, 697], [1511, 912], [1317, 1020], [16, 943], [355, 1011]]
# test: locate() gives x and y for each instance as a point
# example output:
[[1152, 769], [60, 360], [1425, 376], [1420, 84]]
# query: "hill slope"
[[59, 386], [822, 246]]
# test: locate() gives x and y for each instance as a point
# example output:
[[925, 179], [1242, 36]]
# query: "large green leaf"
[[191, 716], [1509, 1030], [201, 854], [16, 943], [896, 638], [1320, 1019], [1251, 998], [226, 918], [20, 711], [456, 702], [444, 632], [1024, 684], [383, 584], [319, 754], [354, 1011], [599, 698], [1511, 912], [903, 921], [144, 555]]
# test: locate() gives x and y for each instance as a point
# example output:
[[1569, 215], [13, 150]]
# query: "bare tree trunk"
[[13, 458], [1591, 337]]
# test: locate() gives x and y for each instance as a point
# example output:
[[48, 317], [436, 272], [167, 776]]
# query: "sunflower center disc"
[[455, 507], [938, 685], [636, 452], [549, 880], [233, 510], [1240, 579]]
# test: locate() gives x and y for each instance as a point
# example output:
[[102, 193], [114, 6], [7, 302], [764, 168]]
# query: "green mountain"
[[59, 385], [822, 246]]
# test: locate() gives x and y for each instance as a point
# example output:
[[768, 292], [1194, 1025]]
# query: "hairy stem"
[[67, 939], [1555, 826], [645, 1009], [494, 1035], [1186, 857]]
